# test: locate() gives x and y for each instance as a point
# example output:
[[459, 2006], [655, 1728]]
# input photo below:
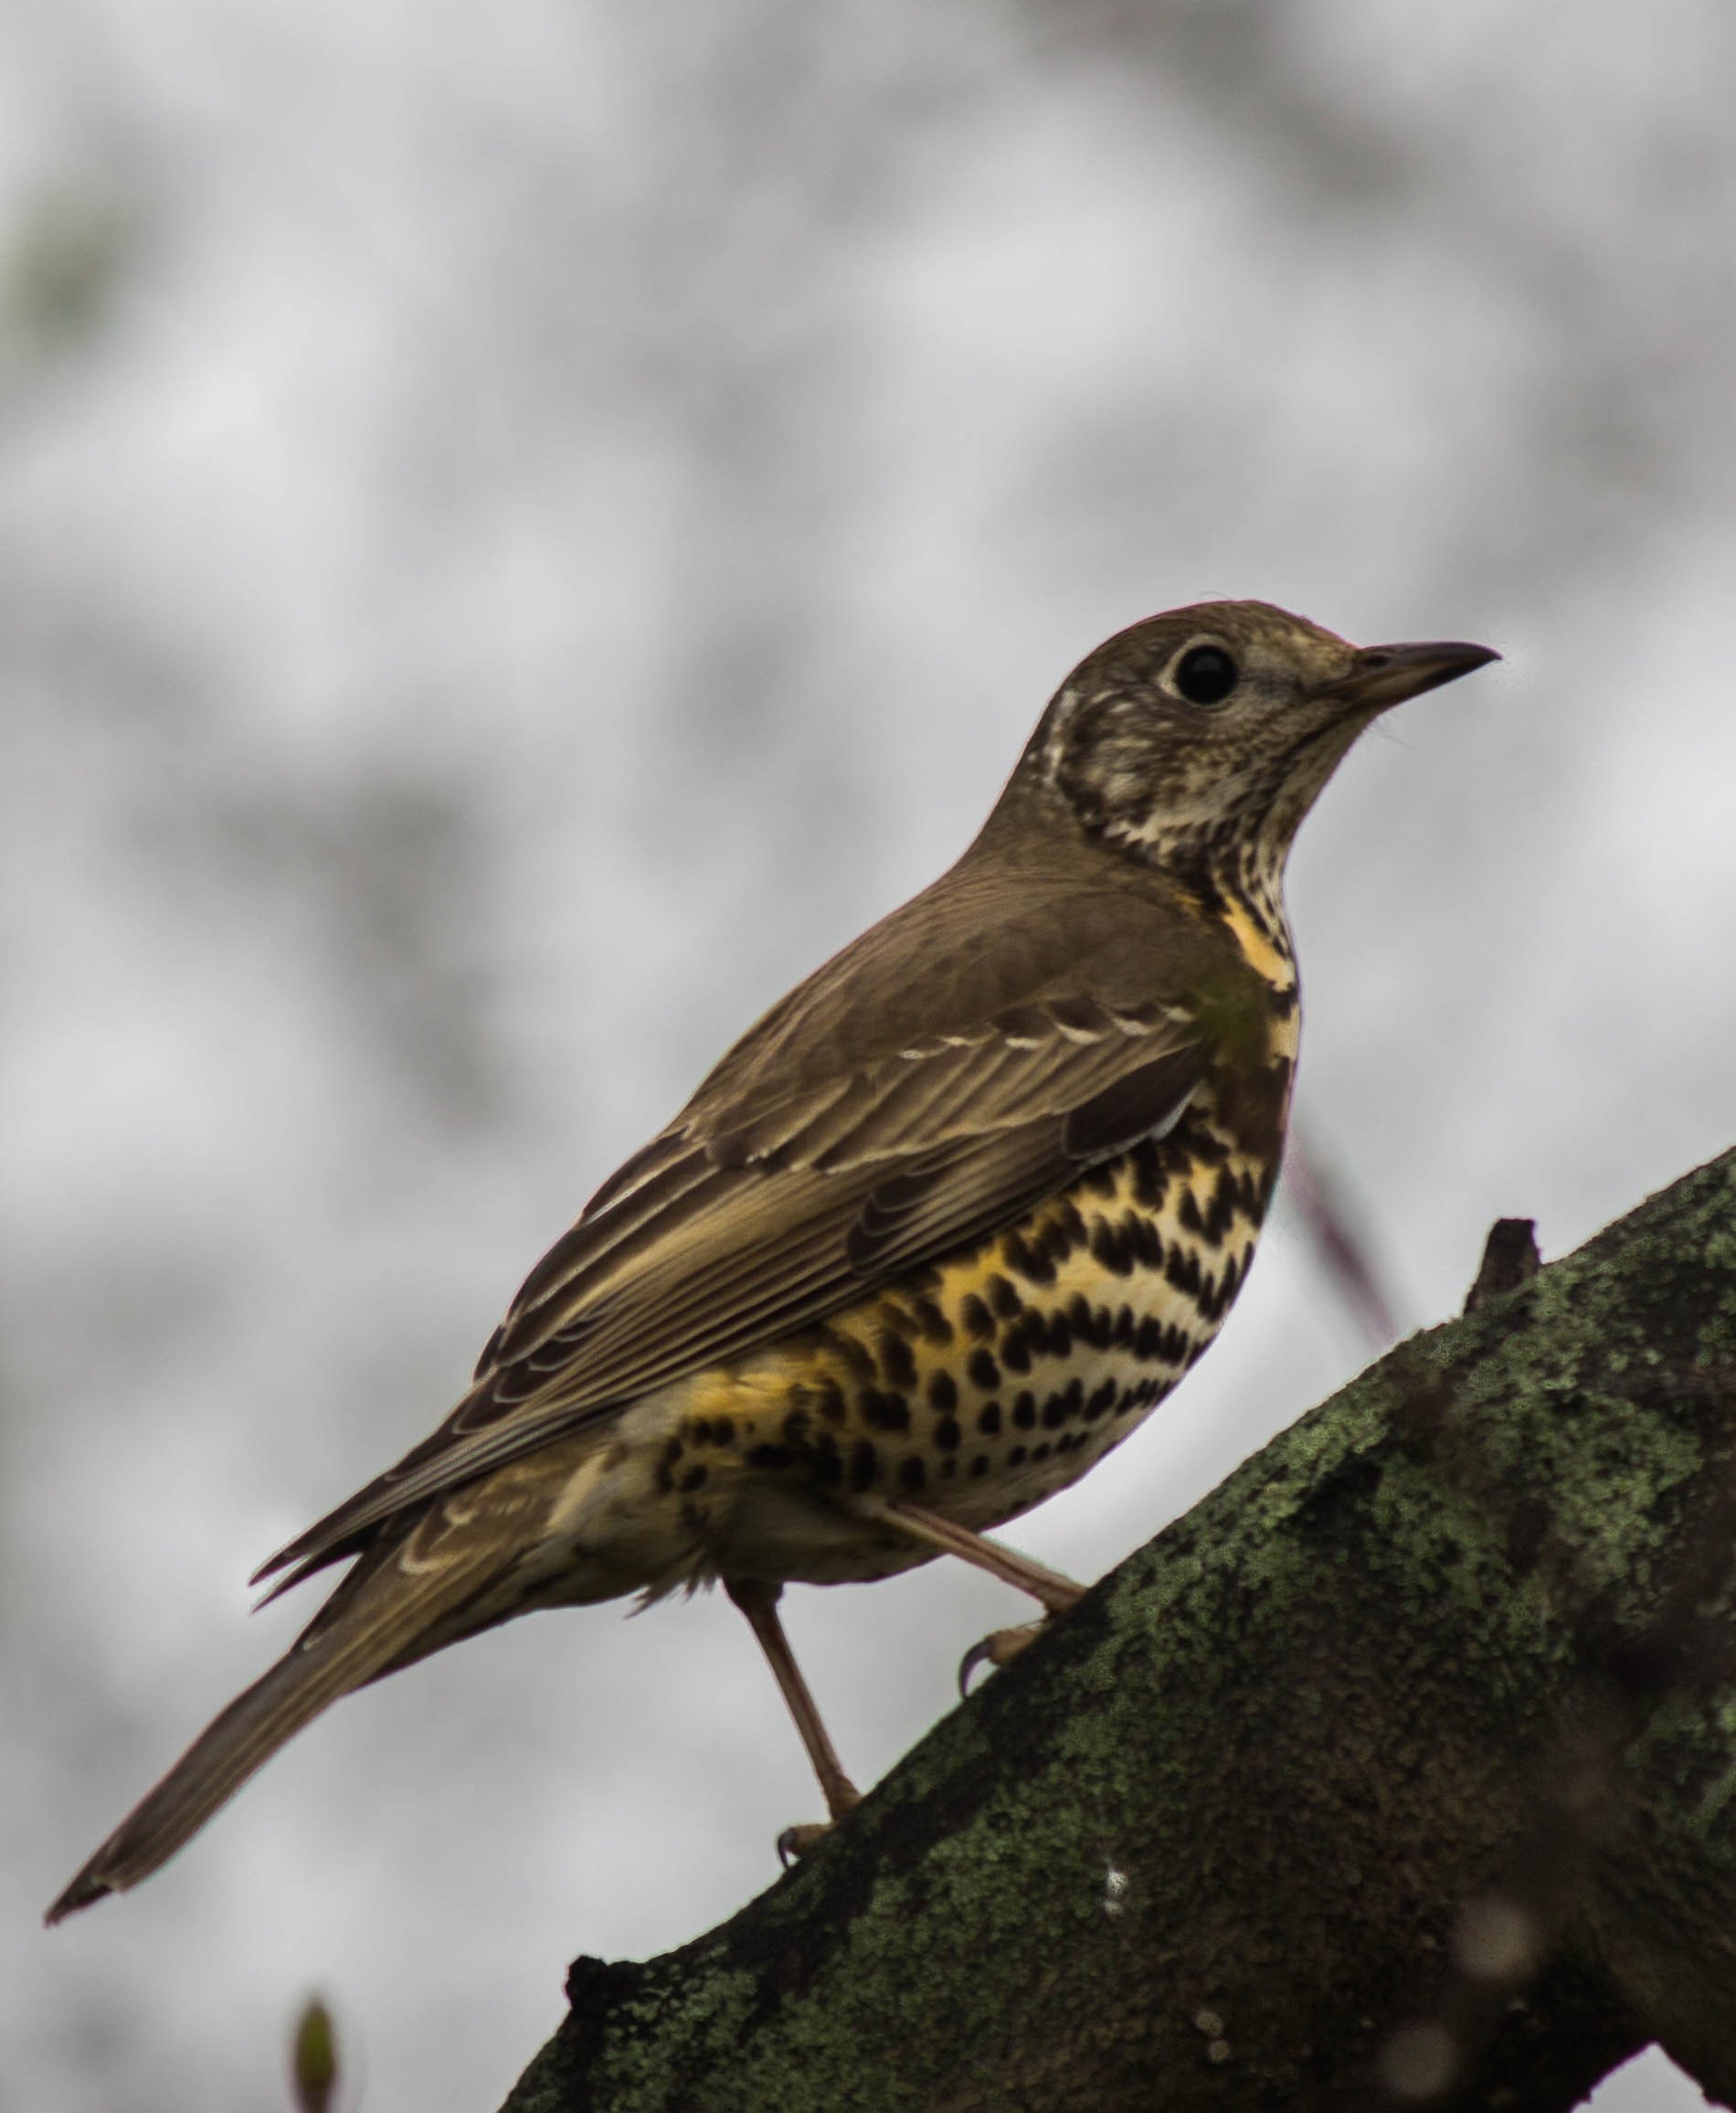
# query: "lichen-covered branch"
[[1402, 1772]]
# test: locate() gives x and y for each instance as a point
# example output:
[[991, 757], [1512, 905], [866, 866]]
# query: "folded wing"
[[847, 1139]]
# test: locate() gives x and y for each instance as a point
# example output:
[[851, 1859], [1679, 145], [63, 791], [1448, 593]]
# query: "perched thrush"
[[931, 1239]]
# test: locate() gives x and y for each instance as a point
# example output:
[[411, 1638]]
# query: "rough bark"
[[1402, 1772]]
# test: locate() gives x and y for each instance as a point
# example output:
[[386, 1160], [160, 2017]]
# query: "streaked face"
[[1220, 723]]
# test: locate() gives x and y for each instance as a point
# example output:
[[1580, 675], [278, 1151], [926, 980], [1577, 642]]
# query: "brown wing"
[[938, 1077]]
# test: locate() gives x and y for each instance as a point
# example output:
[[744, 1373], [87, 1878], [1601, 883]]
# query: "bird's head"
[[1202, 737]]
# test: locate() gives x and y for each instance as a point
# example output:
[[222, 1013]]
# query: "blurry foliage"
[[71, 250], [314, 2064]]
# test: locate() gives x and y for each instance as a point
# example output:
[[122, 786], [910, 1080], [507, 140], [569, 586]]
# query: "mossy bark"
[[1402, 1770]]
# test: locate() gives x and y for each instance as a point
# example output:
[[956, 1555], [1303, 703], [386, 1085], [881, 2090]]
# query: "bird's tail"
[[374, 1623]]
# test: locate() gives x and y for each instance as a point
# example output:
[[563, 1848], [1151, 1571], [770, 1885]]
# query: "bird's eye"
[[1205, 675]]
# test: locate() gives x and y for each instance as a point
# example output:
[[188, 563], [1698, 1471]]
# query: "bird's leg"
[[758, 1602], [1024, 1575], [1056, 1592]]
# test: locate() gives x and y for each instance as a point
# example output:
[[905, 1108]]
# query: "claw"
[[999, 1648], [977, 1655], [796, 1841]]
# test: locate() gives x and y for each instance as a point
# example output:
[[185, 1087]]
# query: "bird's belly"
[[976, 1387]]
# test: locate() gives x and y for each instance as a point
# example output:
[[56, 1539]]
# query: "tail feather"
[[380, 1627]]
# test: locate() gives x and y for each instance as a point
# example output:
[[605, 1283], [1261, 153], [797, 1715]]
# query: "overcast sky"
[[521, 530]]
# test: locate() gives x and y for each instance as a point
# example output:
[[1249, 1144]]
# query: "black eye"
[[1205, 675]]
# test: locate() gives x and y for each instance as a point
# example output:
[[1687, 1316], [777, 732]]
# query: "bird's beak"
[[1386, 674]]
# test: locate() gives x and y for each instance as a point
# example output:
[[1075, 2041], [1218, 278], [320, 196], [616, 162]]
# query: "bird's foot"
[[999, 1648], [841, 1796], [795, 1842]]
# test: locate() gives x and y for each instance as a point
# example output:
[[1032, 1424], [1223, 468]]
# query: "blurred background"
[[523, 529]]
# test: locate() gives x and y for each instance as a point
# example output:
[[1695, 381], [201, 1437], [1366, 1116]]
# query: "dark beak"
[[1387, 675]]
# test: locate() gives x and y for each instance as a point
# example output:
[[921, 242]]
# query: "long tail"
[[373, 1622]]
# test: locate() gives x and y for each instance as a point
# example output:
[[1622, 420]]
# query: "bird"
[[926, 1244]]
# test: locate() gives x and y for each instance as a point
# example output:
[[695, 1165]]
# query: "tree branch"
[[1400, 1772]]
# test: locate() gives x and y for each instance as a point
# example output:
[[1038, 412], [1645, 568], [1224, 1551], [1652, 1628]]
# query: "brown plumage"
[[942, 1227]]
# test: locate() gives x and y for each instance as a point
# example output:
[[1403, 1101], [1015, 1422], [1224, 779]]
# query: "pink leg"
[[758, 1602]]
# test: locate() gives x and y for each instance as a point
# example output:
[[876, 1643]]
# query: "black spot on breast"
[[988, 1418], [976, 1318], [1002, 1298], [898, 1361], [1110, 1248], [1015, 1348], [1102, 1401], [1017, 1457], [829, 1401], [1067, 1407], [984, 1372], [883, 1411], [912, 1472], [980, 1464], [864, 1464], [851, 1355], [943, 1392], [1149, 1182], [694, 1478], [1042, 1452], [1025, 1411], [1090, 1323], [775, 1457], [1182, 1270], [934, 1323], [946, 1435], [1026, 1261], [1222, 1207]]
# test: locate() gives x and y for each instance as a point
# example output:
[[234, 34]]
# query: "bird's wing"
[[797, 1179]]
